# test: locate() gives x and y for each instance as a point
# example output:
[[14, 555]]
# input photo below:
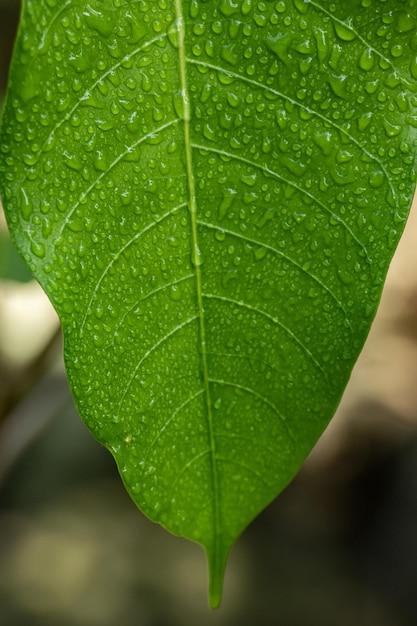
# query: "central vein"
[[196, 259]]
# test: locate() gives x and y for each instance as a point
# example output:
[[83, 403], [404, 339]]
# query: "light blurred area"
[[337, 548]]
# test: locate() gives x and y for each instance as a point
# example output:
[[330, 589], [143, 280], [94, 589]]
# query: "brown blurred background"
[[338, 548]]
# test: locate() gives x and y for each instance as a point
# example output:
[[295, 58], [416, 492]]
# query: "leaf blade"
[[195, 194]]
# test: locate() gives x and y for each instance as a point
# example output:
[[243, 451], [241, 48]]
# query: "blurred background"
[[339, 547]]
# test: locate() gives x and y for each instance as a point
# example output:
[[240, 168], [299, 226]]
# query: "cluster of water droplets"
[[260, 153]]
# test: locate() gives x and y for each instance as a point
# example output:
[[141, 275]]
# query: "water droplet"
[[405, 23], [209, 132], [345, 31], [402, 102], [228, 7], [246, 7], [99, 21], [98, 340], [29, 159], [323, 140], [196, 257], [233, 99], [227, 201], [346, 277], [260, 253], [367, 60], [305, 47], [397, 51], [338, 84], [279, 44], [173, 33], [364, 120], [230, 53], [100, 163], [266, 143], [25, 206], [234, 27], [220, 235], [205, 92], [376, 179], [146, 83], [391, 129], [38, 249], [180, 105], [249, 179], [73, 161], [175, 293], [194, 8]]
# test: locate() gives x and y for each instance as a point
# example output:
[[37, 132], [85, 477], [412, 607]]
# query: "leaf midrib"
[[214, 555]]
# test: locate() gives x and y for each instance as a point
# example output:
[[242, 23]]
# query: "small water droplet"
[[196, 257], [25, 206]]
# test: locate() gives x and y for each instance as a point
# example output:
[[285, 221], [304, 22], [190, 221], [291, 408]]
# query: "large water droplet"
[[227, 201], [38, 249], [345, 31], [367, 60]]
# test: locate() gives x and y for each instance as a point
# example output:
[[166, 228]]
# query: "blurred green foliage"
[[11, 265]]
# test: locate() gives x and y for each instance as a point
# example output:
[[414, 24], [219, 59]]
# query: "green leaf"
[[210, 193]]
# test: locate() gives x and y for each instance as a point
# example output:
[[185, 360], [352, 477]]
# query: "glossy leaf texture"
[[210, 192]]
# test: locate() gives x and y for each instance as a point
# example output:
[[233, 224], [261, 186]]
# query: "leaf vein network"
[[251, 440], [154, 347], [303, 107], [275, 321], [284, 256], [246, 468], [349, 26], [246, 358], [187, 467], [260, 397], [52, 21], [117, 160], [90, 88], [118, 254], [149, 295], [268, 171], [169, 420]]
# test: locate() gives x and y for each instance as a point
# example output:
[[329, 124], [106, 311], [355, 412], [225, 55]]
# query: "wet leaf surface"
[[210, 193]]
